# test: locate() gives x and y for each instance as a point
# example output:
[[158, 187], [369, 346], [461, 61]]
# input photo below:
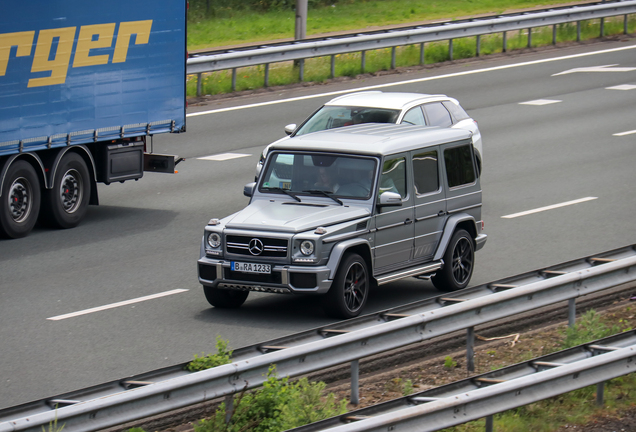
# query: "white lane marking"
[[540, 102], [224, 156], [550, 207], [622, 87], [625, 133], [605, 68], [114, 305], [417, 80]]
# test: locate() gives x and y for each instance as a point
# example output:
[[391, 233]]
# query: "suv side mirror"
[[390, 199], [290, 128], [248, 189]]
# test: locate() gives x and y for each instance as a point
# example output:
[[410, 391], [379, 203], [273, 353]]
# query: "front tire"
[[66, 203], [20, 200], [350, 289], [225, 298], [459, 262]]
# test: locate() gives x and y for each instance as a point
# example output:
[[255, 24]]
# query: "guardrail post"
[[602, 27], [554, 34], [301, 70], [266, 83], [333, 65], [489, 423], [450, 49], [199, 79], [505, 42], [578, 31], [600, 389], [470, 349], [529, 38], [234, 79], [571, 313], [478, 45], [393, 57], [229, 407], [363, 61], [355, 388], [625, 25], [422, 54]]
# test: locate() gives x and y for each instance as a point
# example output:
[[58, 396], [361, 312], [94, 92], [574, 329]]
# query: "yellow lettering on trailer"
[[22, 40], [86, 42], [58, 65], [54, 48], [126, 29]]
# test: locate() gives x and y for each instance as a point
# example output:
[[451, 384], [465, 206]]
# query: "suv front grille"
[[251, 245]]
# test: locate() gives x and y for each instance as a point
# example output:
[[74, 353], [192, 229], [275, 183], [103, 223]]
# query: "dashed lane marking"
[[622, 87], [115, 305], [550, 207], [540, 102], [625, 133], [224, 156]]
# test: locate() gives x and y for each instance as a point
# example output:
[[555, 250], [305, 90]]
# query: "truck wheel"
[[459, 261], [350, 289], [65, 205], [225, 298], [20, 200]]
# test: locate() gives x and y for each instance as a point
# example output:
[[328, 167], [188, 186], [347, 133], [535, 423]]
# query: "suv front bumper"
[[283, 278]]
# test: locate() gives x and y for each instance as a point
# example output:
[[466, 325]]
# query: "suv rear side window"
[[425, 173], [459, 166], [438, 115]]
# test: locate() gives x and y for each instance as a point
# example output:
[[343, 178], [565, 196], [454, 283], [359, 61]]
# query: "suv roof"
[[389, 100], [373, 139]]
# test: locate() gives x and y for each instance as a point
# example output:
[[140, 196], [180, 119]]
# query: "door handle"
[[441, 213], [408, 221]]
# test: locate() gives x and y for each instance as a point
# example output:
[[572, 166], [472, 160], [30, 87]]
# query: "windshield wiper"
[[325, 193], [282, 190]]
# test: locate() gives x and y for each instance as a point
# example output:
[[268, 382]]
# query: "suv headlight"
[[307, 247], [214, 240]]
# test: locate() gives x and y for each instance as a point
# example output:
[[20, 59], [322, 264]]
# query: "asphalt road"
[[144, 237]]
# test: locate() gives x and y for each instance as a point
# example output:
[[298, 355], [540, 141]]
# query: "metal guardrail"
[[300, 50], [494, 392], [167, 389]]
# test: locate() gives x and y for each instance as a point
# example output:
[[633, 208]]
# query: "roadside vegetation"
[[282, 404], [212, 25]]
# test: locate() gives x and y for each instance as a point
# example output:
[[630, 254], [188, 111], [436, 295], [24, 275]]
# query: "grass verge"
[[318, 70]]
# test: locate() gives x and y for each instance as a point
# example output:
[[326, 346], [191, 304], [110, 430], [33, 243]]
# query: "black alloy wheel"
[[459, 262], [350, 288]]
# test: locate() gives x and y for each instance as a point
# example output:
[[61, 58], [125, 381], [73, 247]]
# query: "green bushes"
[[222, 356], [277, 406]]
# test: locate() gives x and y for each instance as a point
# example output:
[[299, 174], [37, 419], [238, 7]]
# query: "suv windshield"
[[331, 117], [304, 173]]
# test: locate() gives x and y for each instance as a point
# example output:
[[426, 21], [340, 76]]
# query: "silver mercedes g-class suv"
[[337, 211]]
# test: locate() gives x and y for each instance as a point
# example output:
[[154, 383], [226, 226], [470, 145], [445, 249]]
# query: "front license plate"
[[251, 268]]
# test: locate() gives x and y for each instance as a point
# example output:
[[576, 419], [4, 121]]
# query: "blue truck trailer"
[[84, 86]]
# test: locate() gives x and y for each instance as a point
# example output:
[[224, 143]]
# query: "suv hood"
[[291, 216]]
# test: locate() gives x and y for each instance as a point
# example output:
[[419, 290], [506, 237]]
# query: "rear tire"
[[350, 289], [65, 205], [225, 298], [20, 200], [459, 262]]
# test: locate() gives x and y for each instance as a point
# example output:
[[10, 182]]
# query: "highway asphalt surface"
[[550, 139]]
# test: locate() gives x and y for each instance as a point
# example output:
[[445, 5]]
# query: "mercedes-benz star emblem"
[[256, 246]]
